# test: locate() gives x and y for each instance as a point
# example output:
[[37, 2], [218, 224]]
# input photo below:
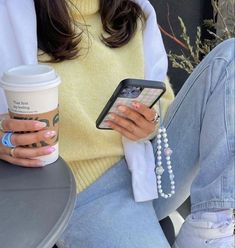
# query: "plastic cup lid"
[[29, 78]]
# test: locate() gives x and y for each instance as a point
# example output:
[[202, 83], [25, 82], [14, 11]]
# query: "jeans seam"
[[222, 187], [228, 125], [222, 58], [212, 204]]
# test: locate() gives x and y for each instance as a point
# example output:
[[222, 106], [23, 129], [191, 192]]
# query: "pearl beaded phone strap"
[[163, 148]]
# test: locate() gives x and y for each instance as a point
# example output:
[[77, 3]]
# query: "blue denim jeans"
[[201, 130]]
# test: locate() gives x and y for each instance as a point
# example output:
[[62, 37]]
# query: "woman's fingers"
[[123, 131], [133, 115], [21, 152], [125, 127], [13, 125], [31, 138], [148, 113], [22, 162], [25, 132], [139, 117], [133, 122]]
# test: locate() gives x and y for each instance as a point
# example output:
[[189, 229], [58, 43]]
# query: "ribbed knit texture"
[[85, 7], [87, 84]]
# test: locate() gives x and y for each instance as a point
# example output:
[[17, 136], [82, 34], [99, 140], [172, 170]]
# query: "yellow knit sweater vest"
[[87, 84]]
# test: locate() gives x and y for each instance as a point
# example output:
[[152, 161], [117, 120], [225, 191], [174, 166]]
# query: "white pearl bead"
[[166, 145], [159, 157], [168, 157], [172, 192], [160, 191], [165, 140], [159, 153], [169, 167], [173, 187], [159, 163], [164, 135], [168, 162], [172, 177], [159, 170], [159, 136], [167, 151], [159, 147], [172, 183]]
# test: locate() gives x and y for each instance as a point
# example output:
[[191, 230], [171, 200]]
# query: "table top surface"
[[35, 204]]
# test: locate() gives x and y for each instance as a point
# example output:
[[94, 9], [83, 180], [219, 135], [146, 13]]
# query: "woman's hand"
[[135, 123], [20, 155]]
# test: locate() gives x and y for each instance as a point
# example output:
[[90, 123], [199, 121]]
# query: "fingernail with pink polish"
[[39, 124], [49, 134], [108, 123], [121, 108], [136, 105], [111, 117], [50, 149]]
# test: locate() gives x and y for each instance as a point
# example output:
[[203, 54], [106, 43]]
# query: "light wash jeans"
[[200, 125]]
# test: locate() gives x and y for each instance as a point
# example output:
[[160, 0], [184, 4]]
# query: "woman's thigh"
[[106, 216]]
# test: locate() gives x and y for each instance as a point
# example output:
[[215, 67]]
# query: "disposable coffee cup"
[[32, 94]]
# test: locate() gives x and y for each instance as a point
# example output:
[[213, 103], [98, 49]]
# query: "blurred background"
[[193, 13]]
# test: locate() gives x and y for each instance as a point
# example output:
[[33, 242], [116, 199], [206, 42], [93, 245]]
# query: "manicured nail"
[[50, 149], [39, 124], [108, 123], [111, 116], [49, 134], [136, 105], [122, 108]]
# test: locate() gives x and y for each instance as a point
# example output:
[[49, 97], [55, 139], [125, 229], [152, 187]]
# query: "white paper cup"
[[32, 94]]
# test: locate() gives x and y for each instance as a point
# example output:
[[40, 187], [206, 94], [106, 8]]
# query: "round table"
[[35, 204]]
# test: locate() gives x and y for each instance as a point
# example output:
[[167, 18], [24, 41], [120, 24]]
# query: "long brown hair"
[[56, 33]]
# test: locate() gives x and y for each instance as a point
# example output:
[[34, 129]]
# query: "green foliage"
[[195, 52]]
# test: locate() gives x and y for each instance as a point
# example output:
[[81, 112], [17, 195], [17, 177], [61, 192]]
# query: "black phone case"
[[149, 93]]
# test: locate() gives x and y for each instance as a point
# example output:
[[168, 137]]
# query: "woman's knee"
[[225, 50]]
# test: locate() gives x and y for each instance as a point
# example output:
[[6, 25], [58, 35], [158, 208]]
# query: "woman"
[[91, 60]]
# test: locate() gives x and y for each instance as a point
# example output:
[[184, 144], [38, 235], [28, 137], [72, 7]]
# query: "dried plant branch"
[[169, 21], [196, 51], [218, 12], [172, 37]]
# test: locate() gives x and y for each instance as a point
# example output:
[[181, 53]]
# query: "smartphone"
[[129, 90]]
